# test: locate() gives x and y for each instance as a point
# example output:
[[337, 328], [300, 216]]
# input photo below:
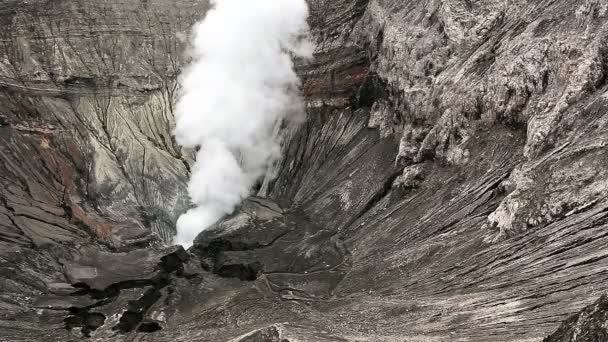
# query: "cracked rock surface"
[[449, 182]]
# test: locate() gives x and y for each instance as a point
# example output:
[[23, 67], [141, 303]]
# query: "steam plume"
[[239, 86]]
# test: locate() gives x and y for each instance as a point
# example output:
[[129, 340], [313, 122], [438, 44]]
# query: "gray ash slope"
[[449, 183]]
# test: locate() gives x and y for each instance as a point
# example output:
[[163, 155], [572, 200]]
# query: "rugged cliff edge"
[[449, 182]]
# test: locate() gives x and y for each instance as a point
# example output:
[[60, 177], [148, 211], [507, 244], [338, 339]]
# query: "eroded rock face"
[[448, 183], [88, 164], [87, 114]]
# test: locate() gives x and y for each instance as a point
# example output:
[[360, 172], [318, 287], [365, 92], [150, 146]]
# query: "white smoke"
[[239, 86]]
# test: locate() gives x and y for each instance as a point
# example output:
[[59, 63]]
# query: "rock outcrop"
[[588, 325], [448, 184]]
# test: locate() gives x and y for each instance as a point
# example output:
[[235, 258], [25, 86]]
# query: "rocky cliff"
[[449, 182]]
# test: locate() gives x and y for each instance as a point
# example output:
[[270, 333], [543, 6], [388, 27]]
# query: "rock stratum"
[[449, 182]]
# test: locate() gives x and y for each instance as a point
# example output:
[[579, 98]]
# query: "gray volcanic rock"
[[588, 325], [448, 183]]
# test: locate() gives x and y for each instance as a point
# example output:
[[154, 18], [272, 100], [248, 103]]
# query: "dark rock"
[[96, 270], [88, 322], [263, 239], [270, 334], [65, 302]]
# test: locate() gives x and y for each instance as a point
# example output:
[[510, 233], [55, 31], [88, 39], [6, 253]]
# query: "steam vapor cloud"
[[239, 86]]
